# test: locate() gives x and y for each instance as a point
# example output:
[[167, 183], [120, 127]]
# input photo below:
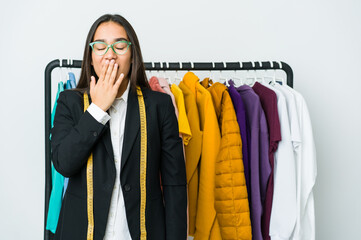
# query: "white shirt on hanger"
[[283, 214], [117, 225], [306, 173], [296, 139]]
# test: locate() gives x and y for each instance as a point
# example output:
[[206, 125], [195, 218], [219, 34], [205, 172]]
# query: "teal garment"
[[67, 85], [57, 181]]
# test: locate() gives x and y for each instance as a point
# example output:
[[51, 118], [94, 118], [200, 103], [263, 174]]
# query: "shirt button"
[[95, 134], [127, 187]]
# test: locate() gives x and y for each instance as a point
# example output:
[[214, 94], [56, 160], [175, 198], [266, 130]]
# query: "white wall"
[[319, 39]]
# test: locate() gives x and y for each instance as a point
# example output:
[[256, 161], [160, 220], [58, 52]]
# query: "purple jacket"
[[258, 144]]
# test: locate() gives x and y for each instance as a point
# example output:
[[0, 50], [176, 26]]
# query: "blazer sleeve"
[[173, 176], [72, 140]]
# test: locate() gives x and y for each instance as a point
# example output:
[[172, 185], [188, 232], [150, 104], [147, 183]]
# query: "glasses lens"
[[121, 47], [99, 48]]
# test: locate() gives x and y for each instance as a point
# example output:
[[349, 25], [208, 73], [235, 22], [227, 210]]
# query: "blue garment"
[[72, 80], [57, 181]]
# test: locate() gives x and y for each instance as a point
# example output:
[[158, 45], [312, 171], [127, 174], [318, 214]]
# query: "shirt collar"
[[125, 94]]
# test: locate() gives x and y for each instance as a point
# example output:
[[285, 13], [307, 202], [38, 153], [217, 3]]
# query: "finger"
[[114, 74], [109, 71], [104, 70], [92, 82], [118, 82]]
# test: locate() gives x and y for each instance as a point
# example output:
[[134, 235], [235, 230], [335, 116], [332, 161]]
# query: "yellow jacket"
[[231, 200], [192, 155], [206, 224]]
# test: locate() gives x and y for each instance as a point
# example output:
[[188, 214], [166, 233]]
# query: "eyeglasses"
[[101, 48]]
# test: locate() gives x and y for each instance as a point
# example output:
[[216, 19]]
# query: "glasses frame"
[[110, 46]]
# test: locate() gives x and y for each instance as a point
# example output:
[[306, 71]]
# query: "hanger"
[[161, 73], [251, 80], [264, 74], [221, 77], [192, 67], [280, 80], [210, 72], [258, 79], [236, 79], [272, 78], [61, 71], [266, 78], [168, 78], [177, 79], [68, 68]]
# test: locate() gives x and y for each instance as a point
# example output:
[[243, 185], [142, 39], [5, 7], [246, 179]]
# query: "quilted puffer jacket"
[[231, 199]]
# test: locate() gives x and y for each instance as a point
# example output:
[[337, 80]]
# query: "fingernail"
[[112, 61], [107, 61], [122, 75]]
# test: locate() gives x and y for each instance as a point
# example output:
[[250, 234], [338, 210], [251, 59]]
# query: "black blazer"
[[76, 134]]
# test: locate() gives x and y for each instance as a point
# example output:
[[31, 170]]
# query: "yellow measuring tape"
[[89, 185], [143, 163], [143, 172]]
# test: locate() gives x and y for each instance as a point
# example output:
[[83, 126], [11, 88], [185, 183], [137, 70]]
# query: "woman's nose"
[[110, 54]]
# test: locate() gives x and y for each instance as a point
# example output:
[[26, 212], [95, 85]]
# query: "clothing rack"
[[149, 66]]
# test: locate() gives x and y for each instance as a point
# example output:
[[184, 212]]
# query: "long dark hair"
[[137, 76]]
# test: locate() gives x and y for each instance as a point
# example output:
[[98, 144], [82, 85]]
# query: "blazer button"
[[127, 187], [95, 134]]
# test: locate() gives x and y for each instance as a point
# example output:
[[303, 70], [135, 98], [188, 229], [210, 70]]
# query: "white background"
[[320, 40]]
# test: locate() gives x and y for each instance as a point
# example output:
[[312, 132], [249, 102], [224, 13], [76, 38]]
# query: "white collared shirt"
[[306, 173], [117, 225]]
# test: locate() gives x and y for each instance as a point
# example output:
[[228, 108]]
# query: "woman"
[[114, 189]]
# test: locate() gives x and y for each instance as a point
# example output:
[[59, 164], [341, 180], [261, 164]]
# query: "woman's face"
[[110, 32]]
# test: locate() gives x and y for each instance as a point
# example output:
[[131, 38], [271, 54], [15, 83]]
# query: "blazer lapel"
[[132, 125]]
